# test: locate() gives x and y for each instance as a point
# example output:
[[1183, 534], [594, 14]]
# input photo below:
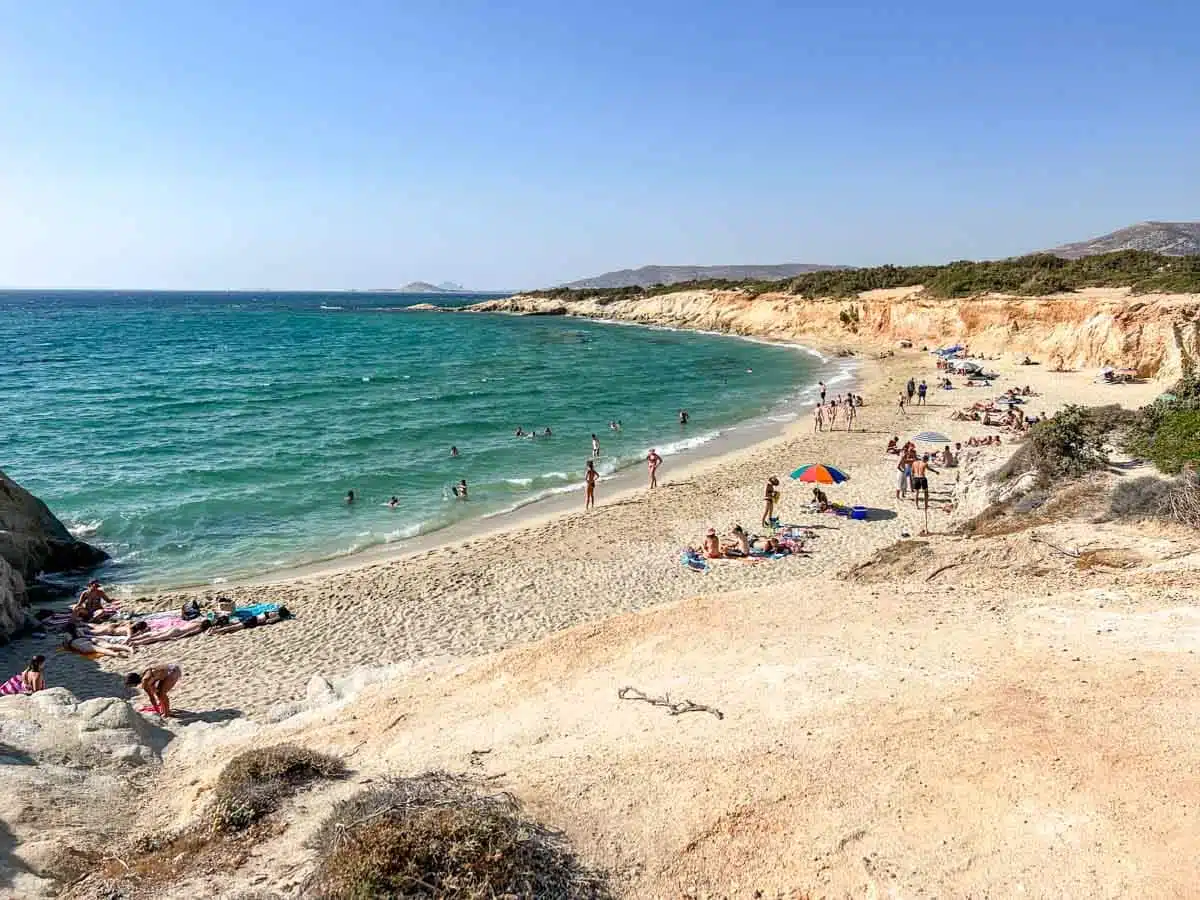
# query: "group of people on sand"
[[839, 407], [913, 473], [93, 627]]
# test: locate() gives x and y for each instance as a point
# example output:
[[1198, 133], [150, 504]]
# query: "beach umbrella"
[[818, 473], [931, 437]]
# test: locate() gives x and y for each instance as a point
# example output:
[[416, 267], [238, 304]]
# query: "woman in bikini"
[[591, 476], [30, 681], [653, 461], [82, 642], [770, 496], [157, 682]]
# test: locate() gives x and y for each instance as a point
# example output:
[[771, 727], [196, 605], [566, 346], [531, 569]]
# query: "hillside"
[[651, 275], [1167, 238]]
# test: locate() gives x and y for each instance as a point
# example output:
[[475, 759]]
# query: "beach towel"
[[149, 709], [92, 656], [165, 621], [14, 685], [255, 609], [694, 561]]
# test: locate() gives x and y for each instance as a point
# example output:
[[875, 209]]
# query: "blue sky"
[[270, 144]]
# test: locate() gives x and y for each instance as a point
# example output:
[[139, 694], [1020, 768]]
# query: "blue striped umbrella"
[[931, 437]]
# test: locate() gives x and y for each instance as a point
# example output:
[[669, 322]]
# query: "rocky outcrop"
[[12, 599], [32, 540], [1093, 327]]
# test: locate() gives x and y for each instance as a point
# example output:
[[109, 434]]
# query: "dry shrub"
[[439, 835], [1175, 500], [1181, 503], [255, 783]]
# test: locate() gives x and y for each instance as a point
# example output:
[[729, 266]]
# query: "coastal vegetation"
[[1034, 275], [255, 783], [441, 835]]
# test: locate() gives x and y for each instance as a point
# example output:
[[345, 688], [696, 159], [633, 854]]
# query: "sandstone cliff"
[[32, 540], [1092, 327]]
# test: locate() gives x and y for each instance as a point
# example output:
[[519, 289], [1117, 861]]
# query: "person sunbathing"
[[29, 681], [90, 605], [739, 544], [117, 632], [224, 625], [81, 643], [712, 544], [171, 634]]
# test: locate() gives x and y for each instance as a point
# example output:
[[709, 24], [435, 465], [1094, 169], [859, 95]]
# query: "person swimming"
[[547, 432], [454, 451], [520, 432], [394, 502], [683, 417], [349, 497], [460, 490]]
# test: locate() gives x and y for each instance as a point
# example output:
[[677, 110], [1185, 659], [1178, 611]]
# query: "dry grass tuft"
[[256, 782], [438, 835]]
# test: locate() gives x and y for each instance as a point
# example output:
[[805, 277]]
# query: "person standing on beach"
[[921, 389], [819, 417], [920, 479], [910, 389], [770, 497], [821, 385], [902, 404], [653, 461], [595, 447], [157, 682], [590, 477], [832, 414], [850, 413]]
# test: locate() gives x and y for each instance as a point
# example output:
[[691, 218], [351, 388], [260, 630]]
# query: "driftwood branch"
[[1037, 539], [940, 569], [674, 707]]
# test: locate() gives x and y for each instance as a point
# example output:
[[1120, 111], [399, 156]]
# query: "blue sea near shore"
[[205, 436]]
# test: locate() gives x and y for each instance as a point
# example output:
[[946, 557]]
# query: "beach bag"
[[191, 610]]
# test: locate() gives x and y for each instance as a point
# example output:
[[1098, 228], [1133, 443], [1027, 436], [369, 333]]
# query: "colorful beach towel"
[[14, 685], [92, 656], [255, 609], [694, 561]]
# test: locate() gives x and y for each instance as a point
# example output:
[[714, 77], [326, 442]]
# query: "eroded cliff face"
[[32, 540], [1090, 328]]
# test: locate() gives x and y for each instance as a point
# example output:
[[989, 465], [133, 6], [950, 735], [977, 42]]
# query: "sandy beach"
[[901, 713], [552, 570]]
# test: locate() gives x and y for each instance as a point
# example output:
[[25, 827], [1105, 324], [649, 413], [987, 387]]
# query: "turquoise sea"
[[205, 436]]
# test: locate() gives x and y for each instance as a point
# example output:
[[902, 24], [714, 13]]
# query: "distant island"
[[425, 287], [648, 276]]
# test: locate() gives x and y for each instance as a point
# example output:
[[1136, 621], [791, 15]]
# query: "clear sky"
[[291, 144]]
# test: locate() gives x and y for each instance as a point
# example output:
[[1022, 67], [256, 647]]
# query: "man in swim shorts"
[[920, 479], [90, 605]]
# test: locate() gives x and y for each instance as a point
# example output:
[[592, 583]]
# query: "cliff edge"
[[32, 541], [1157, 334]]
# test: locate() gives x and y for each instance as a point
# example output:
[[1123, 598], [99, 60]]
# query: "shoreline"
[[727, 441], [547, 569]]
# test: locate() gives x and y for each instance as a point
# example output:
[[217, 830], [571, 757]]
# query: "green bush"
[[1067, 445], [1175, 442], [1030, 276]]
